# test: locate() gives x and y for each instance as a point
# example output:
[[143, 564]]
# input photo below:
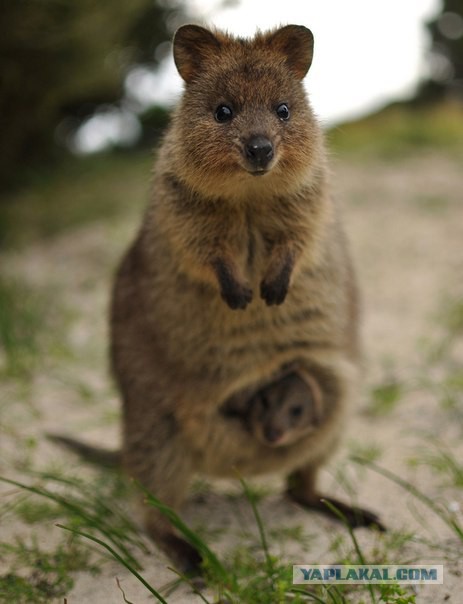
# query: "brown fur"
[[217, 238]]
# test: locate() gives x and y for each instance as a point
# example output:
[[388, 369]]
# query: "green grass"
[[400, 130], [37, 512], [38, 576], [296, 534], [371, 452], [443, 356], [451, 317], [86, 505], [385, 397], [249, 573], [450, 393], [443, 463], [432, 204], [25, 321]]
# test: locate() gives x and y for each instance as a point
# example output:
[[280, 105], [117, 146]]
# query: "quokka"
[[239, 269]]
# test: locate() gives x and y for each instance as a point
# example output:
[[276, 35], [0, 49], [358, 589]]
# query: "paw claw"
[[274, 293], [237, 298]]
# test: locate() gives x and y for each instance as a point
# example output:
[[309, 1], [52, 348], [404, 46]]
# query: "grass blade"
[[131, 534], [304, 592], [185, 579], [339, 598], [260, 526], [78, 511], [443, 515], [119, 558], [359, 552], [208, 555]]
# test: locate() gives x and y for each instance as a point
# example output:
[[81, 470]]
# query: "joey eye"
[[296, 412], [264, 401], [283, 111], [223, 113]]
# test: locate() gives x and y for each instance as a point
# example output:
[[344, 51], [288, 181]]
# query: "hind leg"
[[302, 490], [158, 459], [185, 557]]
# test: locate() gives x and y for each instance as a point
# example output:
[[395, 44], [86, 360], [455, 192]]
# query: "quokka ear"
[[192, 45], [296, 43]]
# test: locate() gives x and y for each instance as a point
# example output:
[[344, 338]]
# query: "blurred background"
[[87, 76]]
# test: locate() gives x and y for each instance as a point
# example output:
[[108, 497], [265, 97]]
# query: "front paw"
[[237, 296], [234, 291], [274, 292]]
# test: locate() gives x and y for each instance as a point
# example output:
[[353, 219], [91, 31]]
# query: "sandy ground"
[[404, 219]]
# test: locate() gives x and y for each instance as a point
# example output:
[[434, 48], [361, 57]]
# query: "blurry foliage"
[[83, 190], [446, 55], [61, 59], [153, 122], [21, 323], [30, 326], [38, 576], [401, 129], [385, 397]]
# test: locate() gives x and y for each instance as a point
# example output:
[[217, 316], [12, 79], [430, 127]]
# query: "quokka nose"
[[259, 151]]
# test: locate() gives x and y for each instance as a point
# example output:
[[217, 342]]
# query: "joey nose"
[[272, 435], [259, 151]]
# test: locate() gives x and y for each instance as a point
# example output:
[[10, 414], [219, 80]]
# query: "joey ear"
[[192, 44], [296, 43]]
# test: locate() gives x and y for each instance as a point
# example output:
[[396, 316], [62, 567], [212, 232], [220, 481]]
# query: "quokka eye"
[[223, 113], [283, 112]]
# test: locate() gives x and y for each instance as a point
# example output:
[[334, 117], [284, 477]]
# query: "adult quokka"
[[240, 268]]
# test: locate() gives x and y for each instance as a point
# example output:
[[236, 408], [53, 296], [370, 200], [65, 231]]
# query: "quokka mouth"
[[258, 172]]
